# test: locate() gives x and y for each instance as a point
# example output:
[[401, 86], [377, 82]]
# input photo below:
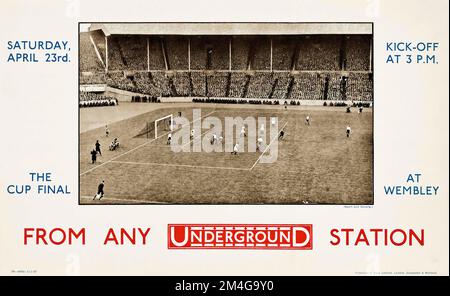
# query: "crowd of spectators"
[[92, 78], [198, 53], [260, 54], [240, 51], [360, 87], [116, 60], [161, 82], [238, 81], [357, 53], [336, 87], [217, 84], [182, 83], [133, 49], [313, 67], [119, 80], [99, 41], [260, 85], [156, 57], [331, 86], [89, 61], [209, 53], [145, 85], [176, 49], [91, 99], [304, 53], [308, 86], [283, 52], [217, 48], [282, 81], [198, 84], [317, 53]]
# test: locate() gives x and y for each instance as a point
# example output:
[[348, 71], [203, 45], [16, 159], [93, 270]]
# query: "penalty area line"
[[181, 165], [271, 142]]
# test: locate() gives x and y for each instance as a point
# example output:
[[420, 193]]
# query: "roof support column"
[[106, 51], [189, 54], [370, 55], [271, 54], [229, 57], [148, 55], [164, 55]]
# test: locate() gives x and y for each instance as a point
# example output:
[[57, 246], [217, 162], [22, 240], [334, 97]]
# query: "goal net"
[[157, 128]]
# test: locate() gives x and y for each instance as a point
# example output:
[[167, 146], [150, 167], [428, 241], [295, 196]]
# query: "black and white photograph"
[[226, 113]]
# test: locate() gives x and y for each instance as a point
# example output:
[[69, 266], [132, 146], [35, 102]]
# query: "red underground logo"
[[240, 236]]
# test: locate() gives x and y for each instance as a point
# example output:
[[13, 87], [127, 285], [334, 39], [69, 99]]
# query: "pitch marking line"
[[137, 147], [275, 138], [181, 165]]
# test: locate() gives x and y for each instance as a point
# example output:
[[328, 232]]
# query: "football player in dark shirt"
[[100, 191]]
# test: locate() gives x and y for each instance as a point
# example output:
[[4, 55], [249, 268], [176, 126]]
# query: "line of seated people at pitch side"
[[240, 101], [145, 99], [99, 103], [89, 99]]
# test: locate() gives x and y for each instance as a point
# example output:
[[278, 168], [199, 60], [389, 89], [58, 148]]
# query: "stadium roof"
[[231, 28]]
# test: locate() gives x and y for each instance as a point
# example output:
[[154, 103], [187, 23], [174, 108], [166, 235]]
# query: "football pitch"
[[316, 163]]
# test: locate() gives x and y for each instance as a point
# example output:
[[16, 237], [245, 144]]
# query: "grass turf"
[[316, 164]]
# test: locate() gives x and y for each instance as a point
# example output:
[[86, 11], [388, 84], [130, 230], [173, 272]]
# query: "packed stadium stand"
[[89, 61], [280, 67]]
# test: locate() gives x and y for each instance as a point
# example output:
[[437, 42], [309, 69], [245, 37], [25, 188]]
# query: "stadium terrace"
[[140, 84], [37, 45], [240, 62]]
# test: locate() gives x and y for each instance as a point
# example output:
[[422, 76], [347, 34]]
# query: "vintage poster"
[[224, 138]]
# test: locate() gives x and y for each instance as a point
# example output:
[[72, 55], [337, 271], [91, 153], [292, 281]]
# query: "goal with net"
[[163, 124], [157, 128]]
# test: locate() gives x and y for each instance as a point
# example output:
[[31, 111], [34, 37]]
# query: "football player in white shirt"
[[243, 131], [192, 134], [273, 120], [235, 149], [214, 139], [259, 144], [169, 138], [349, 131], [307, 119]]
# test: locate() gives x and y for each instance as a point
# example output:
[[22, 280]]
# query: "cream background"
[[411, 135]]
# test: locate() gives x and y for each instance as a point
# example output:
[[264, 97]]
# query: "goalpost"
[[153, 129], [163, 124]]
